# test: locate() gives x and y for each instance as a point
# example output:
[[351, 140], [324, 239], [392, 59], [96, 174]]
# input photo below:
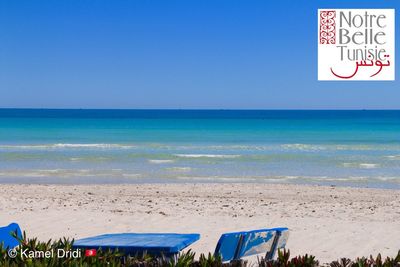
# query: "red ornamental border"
[[327, 27]]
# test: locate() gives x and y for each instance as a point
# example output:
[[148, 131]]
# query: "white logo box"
[[356, 44]]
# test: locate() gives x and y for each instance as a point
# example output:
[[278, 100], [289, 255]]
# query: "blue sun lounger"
[[166, 244], [231, 246], [6, 236], [234, 246]]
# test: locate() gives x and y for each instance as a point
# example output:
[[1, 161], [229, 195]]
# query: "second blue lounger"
[[233, 246]]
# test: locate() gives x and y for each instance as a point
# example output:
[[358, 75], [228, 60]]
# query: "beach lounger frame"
[[236, 245]]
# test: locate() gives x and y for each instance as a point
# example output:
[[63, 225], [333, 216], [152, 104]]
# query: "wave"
[[62, 145], [244, 178], [67, 173], [303, 147], [368, 165], [183, 174], [224, 147], [341, 147], [293, 179], [389, 178], [179, 169], [160, 161], [206, 156], [393, 157], [361, 165], [216, 178]]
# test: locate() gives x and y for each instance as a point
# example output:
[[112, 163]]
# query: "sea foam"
[[206, 156]]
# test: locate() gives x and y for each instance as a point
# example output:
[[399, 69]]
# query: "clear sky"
[[226, 54]]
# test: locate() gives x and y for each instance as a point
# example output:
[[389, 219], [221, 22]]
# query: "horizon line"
[[210, 109]]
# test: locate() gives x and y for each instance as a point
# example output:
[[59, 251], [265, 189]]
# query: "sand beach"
[[326, 221]]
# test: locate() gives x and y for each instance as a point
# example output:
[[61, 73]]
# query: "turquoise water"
[[355, 148]]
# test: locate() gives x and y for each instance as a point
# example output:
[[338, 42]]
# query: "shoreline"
[[143, 182], [329, 222]]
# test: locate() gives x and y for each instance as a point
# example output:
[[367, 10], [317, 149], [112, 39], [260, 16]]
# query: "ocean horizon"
[[358, 148]]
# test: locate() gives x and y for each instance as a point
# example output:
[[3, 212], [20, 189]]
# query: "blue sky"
[[175, 54]]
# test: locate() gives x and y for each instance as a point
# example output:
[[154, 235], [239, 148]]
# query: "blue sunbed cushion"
[[242, 244], [136, 242], [7, 238]]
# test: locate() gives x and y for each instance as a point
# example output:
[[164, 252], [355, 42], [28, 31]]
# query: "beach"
[[327, 221]]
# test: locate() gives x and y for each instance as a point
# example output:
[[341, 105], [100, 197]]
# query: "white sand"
[[328, 222]]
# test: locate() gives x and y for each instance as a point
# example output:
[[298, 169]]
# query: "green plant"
[[343, 262], [32, 252], [210, 261], [284, 260], [114, 258], [185, 259], [368, 262]]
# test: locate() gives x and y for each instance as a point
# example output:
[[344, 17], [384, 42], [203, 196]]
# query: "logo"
[[90, 252], [356, 44], [12, 253]]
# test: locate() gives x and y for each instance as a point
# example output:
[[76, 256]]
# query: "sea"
[[358, 148]]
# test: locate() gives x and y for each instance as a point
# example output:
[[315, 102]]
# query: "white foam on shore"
[[394, 179], [361, 165], [308, 147], [347, 164], [216, 178], [160, 161], [67, 173], [75, 159], [206, 156], [344, 179], [341, 147], [368, 165], [393, 157]]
